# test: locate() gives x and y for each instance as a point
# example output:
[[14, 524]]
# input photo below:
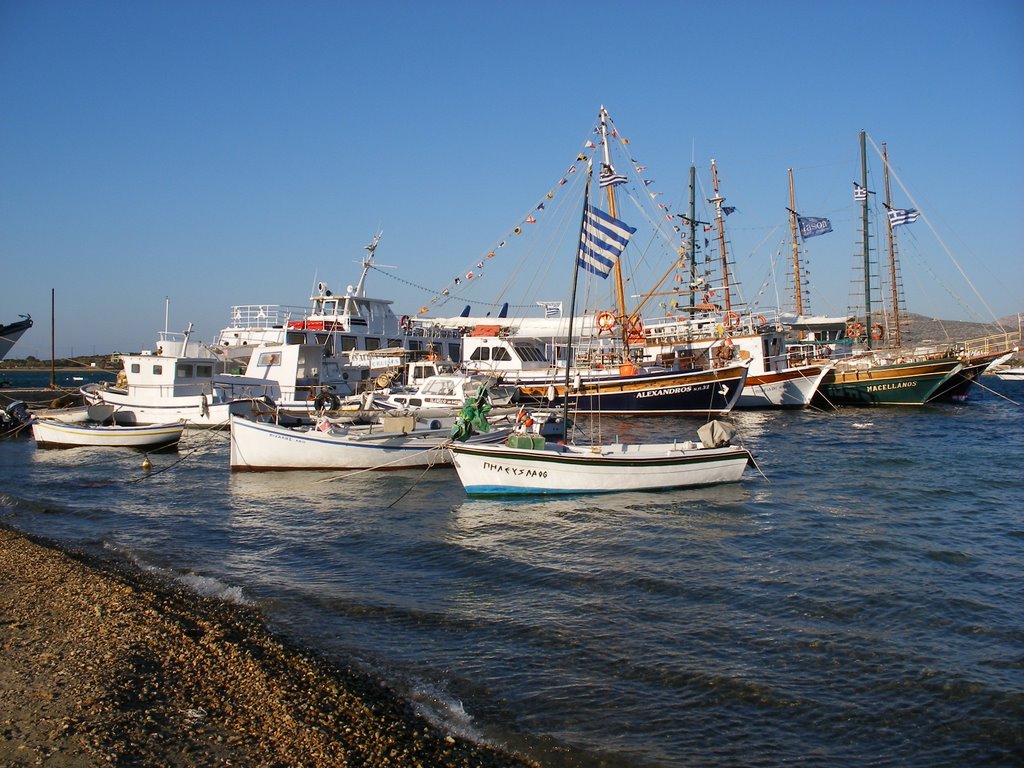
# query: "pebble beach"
[[103, 664]]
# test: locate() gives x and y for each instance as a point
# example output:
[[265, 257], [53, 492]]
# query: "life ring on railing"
[[605, 321], [855, 330], [761, 321], [383, 380], [327, 401], [730, 320], [405, 323], [877, 332]]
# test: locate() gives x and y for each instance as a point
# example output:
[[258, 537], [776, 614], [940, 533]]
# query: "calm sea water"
[[862, 604], [70, 380]]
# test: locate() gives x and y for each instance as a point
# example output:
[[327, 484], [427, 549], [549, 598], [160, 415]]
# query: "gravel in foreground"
[[105, 665]]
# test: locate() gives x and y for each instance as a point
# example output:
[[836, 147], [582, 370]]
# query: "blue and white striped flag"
[[604, 239], [551, 308], [610, 178], [899, 216], [859, 192]]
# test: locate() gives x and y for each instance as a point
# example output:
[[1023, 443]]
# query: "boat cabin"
[[289, 374]]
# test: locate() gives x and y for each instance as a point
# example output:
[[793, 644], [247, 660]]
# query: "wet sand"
[[101, 664]]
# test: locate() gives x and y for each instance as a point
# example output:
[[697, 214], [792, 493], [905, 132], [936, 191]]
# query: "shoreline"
[[106, 664]]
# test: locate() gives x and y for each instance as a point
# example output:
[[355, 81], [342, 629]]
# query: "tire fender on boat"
[[327, 401]]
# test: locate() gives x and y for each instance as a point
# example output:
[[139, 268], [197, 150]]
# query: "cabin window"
[[455, 352], [183, 371], [530, 353], [158, 370], [331, 307], [136, 368], [500, 353], [204, 371], [415, 346], [348, 343], [326, 341], [294, 337], [394, 343], [270, 358], [372, 342], [481, 353]]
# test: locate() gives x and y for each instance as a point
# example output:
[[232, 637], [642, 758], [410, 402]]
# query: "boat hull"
[[196, 411], [695, 393], [913, 383], [265, 447], [55, 434], [10, 333], [789, 388], [561, 469], [1010, 374]]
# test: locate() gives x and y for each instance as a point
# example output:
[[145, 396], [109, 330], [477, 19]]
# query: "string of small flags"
[[476, 271]]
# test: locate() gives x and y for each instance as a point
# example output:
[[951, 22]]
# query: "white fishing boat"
[[528, 462], [1009, 374], [96, 414], [298, 378], [399, 442], [176, 382], [58, 434], [442, 386]]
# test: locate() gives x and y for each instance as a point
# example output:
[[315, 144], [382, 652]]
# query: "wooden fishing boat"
[[57, 434], [400, 442], [529, 464]]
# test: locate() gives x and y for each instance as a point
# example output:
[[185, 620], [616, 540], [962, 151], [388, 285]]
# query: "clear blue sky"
[[232, 152]]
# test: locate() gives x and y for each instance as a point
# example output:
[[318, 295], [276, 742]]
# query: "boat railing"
[[987, 345], [264, 315]]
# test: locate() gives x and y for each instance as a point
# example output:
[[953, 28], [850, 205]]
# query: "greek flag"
[[812, 226], [859, 192], [551, 308], [899, 216], [610, 178], [604, 238]]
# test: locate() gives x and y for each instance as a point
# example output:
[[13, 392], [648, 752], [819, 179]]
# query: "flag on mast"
[[899, 216], [603, 240], [812, 226]]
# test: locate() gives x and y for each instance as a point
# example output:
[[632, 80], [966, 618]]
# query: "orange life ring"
[[761, 320], [855, 330], [605, 321], [877, 332], [731, 320]]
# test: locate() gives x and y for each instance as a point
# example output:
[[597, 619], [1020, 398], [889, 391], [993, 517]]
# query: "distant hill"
[[923, 330]]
